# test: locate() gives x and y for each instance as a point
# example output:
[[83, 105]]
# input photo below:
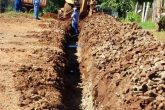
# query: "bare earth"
[[15, 49], [13, 43]]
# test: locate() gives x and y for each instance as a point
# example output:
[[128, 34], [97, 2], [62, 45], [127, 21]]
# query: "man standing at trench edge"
[[36, 4], [75, 20]]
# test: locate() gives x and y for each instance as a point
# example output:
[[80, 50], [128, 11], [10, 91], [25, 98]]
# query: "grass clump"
[[148, 25]]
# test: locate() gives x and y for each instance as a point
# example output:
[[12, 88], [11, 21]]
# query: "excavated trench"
[[119, 67], [72, 92]]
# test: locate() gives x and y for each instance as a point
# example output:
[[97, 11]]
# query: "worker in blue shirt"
[[17, 5], [75, 20], [36, 4]]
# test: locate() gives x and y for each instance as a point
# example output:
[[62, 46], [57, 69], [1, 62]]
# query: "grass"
[[152, 27], [148, 25], [159, 35], [13, 14]]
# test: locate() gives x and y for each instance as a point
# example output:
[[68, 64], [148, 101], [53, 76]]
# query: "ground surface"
[[29, 58], [159, 35], [117, 67], [13, 45], [122, 66]]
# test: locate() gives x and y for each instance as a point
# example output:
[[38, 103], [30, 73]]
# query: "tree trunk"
[[146, 12], [143, 12], [158, 10]]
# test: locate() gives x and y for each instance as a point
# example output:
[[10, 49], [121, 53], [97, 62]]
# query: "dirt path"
[[14, 49]]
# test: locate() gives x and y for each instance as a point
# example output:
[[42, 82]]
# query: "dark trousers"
[[36, 10], [17, 6], [75, 27]]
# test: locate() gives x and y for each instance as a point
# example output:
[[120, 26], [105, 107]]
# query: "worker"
[[75, 20], [36, 4], [17, 4]]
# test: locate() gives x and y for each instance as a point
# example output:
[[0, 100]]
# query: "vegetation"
[[120, 6], [54, 5], [148, 25], [133, 17]]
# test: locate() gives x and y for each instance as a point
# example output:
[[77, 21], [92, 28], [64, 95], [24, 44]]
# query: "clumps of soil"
[[122, 66], [40, 81], [50, 15]]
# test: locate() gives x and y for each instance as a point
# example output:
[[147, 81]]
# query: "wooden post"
[[143, 12], [136, 7], [153, 10], [146, 12]]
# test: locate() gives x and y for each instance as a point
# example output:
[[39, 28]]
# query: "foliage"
[[54, 5], [133, 17], [9, 8], [121, 6], [148, 25], [141, 1], [162, 19]]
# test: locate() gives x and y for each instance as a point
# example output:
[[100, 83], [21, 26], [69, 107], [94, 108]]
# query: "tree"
[[121, 6]]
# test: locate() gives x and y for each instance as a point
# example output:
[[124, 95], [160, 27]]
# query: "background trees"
[[54, 5], [120, 6]]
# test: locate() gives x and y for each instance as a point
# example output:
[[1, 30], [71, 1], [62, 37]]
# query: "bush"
[[120, 6], [162, 19], [133, 17], [54, 5]]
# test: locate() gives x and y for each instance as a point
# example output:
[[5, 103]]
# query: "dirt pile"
[[39, 81], [122, 66], [50, 15]]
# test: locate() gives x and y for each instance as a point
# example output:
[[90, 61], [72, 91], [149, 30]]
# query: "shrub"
[[54, 5], [133, 17]]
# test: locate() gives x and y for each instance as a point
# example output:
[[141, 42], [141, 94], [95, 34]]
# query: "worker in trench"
[[75, 20], [17, 5], [36, 4]]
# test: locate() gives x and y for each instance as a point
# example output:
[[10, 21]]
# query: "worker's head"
[[75, 9]]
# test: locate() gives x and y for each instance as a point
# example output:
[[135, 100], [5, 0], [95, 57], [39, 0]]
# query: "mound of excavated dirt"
[[122, 66], [40, 81], [50, 15]]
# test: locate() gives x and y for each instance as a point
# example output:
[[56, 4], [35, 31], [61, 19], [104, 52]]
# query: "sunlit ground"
[[152, 27]]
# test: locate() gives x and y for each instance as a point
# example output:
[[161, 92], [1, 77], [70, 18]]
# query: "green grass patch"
[[148, 25], [158, 35], [12, 14]]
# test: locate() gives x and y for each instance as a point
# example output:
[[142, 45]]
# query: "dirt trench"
[[112, 66], [55, 84], [39, 68]]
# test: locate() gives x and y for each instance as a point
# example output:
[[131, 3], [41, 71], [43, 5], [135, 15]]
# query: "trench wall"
[[40, 81]]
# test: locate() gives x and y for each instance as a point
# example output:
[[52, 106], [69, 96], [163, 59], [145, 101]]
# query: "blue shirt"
[[36, 2], [75, 17], [17, 1]]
